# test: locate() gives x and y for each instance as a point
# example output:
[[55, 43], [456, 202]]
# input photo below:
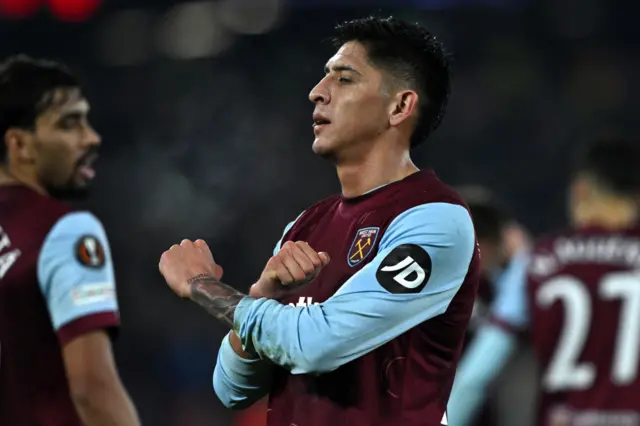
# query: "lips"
[[319, 122], [85, 165]]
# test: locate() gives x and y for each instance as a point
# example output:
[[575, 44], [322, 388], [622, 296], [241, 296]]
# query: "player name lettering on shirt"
[[615, 250], [8, 256]]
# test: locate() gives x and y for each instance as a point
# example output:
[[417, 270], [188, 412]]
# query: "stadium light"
[[74, 10]]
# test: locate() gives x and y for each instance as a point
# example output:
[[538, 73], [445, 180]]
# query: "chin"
[[323, 147]]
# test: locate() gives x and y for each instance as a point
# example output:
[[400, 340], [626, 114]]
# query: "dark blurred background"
[[206, 126]]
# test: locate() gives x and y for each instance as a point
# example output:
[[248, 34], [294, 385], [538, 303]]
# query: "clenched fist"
[[295, 265], [188, 260]]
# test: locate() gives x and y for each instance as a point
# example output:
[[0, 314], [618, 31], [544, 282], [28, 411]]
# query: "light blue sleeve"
[[75, 270], [510, 305], [484, 359], [240, 382], [493, 344], [422, 261]]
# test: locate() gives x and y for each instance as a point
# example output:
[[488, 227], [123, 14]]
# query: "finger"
[[204, 247], [292, 264], [305, 262], [173, 247], [163, 261], [310, 253], [185, 243], [202, 244], [324, 257], [288, 245], [278, 271]]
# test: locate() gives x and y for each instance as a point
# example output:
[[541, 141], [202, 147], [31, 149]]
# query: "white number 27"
[[564, 371]]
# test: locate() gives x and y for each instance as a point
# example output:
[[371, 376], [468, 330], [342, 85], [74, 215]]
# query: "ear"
[[405, 104], [19, 145]]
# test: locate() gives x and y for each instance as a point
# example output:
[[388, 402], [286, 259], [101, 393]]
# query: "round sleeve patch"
[[89, 251], [406, 269]]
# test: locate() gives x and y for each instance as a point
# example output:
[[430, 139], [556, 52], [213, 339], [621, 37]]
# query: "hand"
[[183, 262], [515, 238], [295, 265]]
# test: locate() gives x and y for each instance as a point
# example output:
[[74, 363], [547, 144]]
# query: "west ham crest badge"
[[362, 245]]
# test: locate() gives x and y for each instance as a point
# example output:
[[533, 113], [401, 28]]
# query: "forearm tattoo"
[[219, 299]]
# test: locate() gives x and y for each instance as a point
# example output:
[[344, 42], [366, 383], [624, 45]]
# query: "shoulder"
[[79, 233], [313, 214], [37, 212], [543, 261], [425, 187], [436, 223], [545, 242], [75, 223]]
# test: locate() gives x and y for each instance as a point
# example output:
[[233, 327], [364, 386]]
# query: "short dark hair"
[[24, 85], [489, 215], [612, 163], [411, 54]]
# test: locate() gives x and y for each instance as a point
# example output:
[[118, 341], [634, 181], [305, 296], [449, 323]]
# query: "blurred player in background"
[[580, 298], [375, 338], [57, 290], [503, 245]]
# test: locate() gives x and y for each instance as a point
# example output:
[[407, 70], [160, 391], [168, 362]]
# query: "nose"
[[320, 94], [92, 138]]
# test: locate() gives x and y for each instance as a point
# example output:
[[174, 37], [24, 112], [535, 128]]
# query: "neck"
[[377, 167], [609, 214], [11, 176]]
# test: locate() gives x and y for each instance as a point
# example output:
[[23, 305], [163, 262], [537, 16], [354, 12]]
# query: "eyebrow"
[[338, 68]]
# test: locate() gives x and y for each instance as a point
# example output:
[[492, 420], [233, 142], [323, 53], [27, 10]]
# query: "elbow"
[[235, 404], [87, 392], [234, 397]]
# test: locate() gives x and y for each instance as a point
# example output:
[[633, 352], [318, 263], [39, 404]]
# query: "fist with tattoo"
[[182, 265], [295, 265]]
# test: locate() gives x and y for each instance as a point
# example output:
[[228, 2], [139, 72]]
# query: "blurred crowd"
[[206, 125]]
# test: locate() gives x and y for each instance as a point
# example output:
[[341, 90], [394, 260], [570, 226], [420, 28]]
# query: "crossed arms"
[[373, 307]]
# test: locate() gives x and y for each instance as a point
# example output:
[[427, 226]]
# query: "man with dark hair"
[[580, 298], [57, 291], [375, 336]]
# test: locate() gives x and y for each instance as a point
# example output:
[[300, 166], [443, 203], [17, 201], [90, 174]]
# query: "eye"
[[70, 122], [344, 80]]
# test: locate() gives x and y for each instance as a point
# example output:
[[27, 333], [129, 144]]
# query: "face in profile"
[[351, 106], [64, 145]]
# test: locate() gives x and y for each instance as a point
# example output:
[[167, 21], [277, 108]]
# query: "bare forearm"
[[106, 407], [217, 298]]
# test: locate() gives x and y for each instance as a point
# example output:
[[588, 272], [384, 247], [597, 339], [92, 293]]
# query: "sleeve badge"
[[89, 252]]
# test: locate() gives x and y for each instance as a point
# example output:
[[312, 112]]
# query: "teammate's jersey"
[[56, 283], [383, 324], [584, 304]]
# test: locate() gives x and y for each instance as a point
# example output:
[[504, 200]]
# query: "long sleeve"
[[240, 382], [422, 261]]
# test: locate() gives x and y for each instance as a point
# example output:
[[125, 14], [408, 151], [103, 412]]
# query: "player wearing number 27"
[[375, 338], [579, 295]]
